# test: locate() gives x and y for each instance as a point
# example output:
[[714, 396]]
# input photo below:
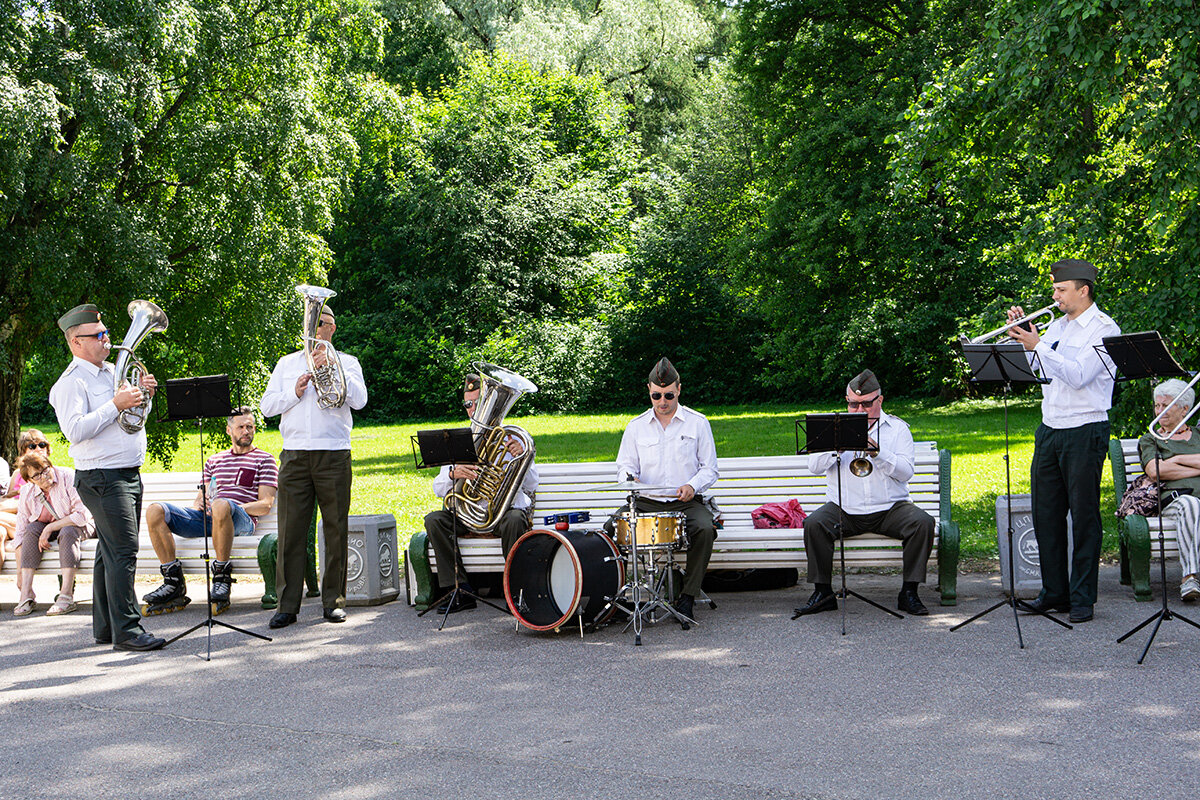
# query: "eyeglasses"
[[661, 395], [36, 445], [98, 335], [44, 475], [862, 403], [468, 404]]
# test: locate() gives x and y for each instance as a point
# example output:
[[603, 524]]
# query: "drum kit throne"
[[554, 575]]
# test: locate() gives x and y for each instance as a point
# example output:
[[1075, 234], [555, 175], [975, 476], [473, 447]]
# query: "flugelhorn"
[[1048, 311], [147, 319], [861, 466], [329, 379]]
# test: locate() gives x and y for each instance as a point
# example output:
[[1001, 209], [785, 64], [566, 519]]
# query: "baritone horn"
[[329, 379], [147, 319], [1047, 312]]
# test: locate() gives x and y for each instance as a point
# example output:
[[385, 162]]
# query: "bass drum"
[[550, 576]]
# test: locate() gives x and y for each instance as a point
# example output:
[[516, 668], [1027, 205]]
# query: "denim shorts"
[[189, 522]]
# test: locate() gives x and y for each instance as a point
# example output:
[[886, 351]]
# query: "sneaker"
[[1189, 590], [62, 605]]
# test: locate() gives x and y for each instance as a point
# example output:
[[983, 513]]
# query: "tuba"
[[329, 378], [147, 319], [480, 503]]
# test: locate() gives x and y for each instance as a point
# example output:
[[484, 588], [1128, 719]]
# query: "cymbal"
[[629, 486]]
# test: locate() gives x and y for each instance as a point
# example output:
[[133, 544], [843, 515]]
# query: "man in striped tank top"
[[241, 483]]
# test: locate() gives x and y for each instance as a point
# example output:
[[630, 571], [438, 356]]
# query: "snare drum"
[[657, 530]]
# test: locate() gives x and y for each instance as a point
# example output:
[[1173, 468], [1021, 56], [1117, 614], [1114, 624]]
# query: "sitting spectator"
[[1179, 470], [49, 509], [30, 441], [8, 511]]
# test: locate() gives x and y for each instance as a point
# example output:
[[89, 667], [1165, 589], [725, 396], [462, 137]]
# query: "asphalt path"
[[748, 704]]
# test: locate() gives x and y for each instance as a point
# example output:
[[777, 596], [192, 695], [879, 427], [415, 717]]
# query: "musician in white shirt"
[[671, 445], [1070, 445], [314, 467], [875, 503]]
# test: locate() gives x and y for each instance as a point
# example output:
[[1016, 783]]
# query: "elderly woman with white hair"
[[1179, 472]]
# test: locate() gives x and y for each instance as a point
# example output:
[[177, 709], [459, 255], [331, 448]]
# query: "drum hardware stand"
[[1145, 355], [439, 448], [1005, 363], [197, 399], [835, 433]]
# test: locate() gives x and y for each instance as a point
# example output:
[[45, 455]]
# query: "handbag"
[[1140, 498], [779, 515]]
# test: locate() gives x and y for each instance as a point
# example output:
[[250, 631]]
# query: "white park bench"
[[745, 484], [180, 488], [1138, 534]]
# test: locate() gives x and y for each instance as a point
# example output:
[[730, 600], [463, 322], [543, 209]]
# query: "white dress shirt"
[[1081, 386], [683, 452], [304, 424], [442, 484], [82, 398], [888, 482]]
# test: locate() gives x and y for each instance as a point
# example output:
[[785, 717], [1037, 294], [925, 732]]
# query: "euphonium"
[[329, 379], [479, 503], [147, 319]]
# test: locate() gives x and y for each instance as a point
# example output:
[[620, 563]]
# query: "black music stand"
[[1005, 363], [201, 398], [1144, 355], [437, 448], [836, 433]]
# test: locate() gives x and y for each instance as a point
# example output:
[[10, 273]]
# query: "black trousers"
[[440, 527], [1065, 476], [306, 477], [701, 530], [903, 520], [114, 496]]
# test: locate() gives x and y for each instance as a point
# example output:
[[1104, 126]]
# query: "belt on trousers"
[[119, 472]]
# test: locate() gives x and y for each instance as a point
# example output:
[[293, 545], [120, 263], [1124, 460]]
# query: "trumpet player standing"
[[314, 467], [875, 502], [1070, 444], [107, 472]]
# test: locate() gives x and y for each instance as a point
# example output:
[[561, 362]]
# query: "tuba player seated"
[[441, 526]]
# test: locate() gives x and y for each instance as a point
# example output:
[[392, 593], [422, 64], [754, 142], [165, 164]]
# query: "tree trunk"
[[12, 369]]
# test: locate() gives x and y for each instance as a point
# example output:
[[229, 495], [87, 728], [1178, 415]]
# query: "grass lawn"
[[386, 481]]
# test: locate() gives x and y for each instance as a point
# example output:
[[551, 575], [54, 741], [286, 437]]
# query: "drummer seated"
[[669, 450]]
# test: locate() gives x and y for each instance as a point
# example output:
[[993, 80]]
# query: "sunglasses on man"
[[661, 395]]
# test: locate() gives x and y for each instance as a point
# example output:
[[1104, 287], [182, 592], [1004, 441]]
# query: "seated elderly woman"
[[49, 508], [30, 441], [1179, 470]]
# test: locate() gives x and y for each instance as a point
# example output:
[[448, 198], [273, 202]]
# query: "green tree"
[[497, 228], [1076, 125], [850, 272], [189, 153]]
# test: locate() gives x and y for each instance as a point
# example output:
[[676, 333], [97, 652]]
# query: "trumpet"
[[861, 466], [1048, 312]]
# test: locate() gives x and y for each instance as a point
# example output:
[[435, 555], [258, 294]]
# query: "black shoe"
[[685, 605], [821, 600], [103, 640], [462, 602], [335, 615], [1080, 614], [910, 603], [1042, 605], [281, 620], [143, 641]]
